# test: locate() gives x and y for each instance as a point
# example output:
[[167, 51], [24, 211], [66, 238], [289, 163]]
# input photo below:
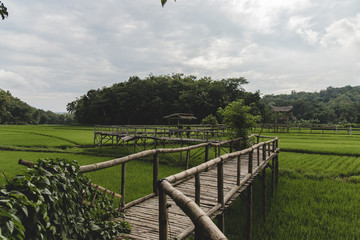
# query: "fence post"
[[187, 159], [155, 173], [163, 215], [238, 177], [264, 192], [122, 193], [250, 212], [207, 149], [220, 181], [250, 165], [197, 188]]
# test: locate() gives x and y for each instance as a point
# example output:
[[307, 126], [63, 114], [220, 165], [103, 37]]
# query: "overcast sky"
[[54, 51]]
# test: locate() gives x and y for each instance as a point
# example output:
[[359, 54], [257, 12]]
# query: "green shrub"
[[48, 203], [210, 119]]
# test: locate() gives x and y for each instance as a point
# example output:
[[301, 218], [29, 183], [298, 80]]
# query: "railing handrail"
[[201, 220]]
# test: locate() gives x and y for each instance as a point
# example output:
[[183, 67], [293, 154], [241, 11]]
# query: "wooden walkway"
[[144, 216]]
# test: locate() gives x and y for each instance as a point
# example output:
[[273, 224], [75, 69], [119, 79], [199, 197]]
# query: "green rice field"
[[318, 195]]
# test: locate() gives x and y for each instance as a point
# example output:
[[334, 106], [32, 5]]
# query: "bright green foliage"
[[210, 119], [45, 203], [238, 118]]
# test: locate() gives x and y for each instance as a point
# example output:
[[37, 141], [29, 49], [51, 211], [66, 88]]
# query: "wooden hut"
[[282, 116], [180, 118]]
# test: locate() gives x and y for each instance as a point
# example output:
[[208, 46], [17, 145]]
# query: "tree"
[[3, 11], [238, 119]]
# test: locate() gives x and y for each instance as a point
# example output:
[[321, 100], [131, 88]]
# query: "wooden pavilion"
[[282, 116]]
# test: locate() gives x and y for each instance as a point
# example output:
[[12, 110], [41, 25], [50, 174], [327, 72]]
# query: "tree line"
[[329, 106], [148, 100], [15, 111]]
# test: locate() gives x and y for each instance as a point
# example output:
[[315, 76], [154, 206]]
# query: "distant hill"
[[332, 105], [15, 111]]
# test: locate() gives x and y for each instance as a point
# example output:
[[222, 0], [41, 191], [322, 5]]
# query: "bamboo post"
[[155, 173], [163, 215], [187, 159], [197, 188], [122, 193], [238, 177], [221, 222], [264, 192], [258, 155], [273, 177], [250, 164], [268, 149], [277, 169], [220, 182], [181, 145], [207, 149], [250, 212], [231, 147], [264, 152]]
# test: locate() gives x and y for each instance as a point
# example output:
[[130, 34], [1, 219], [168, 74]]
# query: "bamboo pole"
[[264, 192], [238, 175], [163, 215], [202, 222], [197, 188], [155, 173], [220, 181], [273, 177], [187, 159], [250, 212], [250, 164], [123, 173]]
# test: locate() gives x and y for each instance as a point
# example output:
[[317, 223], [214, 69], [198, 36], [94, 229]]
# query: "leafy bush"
[[238, 119], [210, 119], [49, 202]]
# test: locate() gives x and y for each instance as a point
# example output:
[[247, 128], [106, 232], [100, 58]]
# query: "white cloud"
[[343, 33], [59, 50]]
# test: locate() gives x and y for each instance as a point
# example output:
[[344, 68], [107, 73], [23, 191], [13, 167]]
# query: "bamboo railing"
[[203, 224], [196, 133], [155, 153]]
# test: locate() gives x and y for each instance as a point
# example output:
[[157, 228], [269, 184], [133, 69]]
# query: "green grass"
[[317, 196], [319, 143], [55, 141], [318, 192]]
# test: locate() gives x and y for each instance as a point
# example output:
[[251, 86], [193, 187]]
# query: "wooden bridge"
[[186, 202]]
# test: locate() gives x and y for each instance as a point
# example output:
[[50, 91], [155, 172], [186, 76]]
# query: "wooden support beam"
[[238, 174], [273, 177], [197, 188], [163, 216], [220, 182], [277, 169], [221, 222], [207, 150], [264, 192], [155, 173], [250, 164], [122, 193], [250, 212], [187, 159]]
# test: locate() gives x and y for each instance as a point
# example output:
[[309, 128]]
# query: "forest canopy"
[[332, 105], [148, 100], [15, 111]]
